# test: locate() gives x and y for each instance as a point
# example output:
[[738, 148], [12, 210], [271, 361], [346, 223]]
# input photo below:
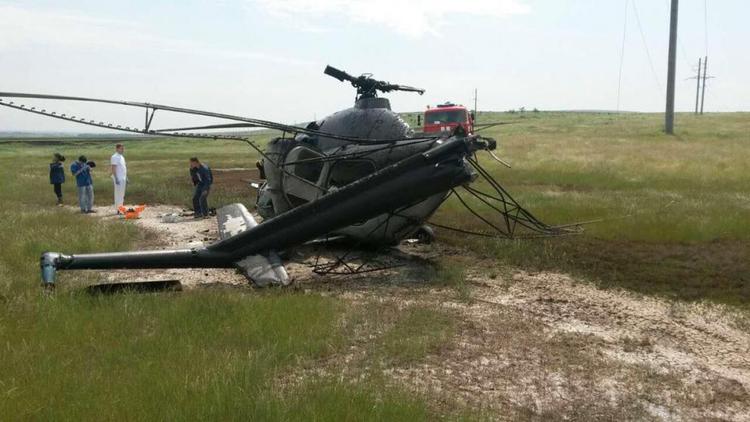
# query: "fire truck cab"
[[446, 117]]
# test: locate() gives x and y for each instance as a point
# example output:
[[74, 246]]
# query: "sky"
[[265, 58]]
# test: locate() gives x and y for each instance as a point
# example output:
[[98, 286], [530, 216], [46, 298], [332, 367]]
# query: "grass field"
[[675, 210]]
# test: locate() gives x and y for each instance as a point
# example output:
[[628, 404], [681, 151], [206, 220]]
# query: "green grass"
[[202, 354], [675, 209], [648, 186], [416, 333], [156, 356], [157, 170]]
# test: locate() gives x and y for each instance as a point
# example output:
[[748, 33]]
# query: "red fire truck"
[[446, 117]]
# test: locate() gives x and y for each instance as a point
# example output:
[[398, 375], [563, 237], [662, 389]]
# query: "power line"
[[645, 46], [681, 44], [684, 53], [705, 76], [622, 54], [705, 24]]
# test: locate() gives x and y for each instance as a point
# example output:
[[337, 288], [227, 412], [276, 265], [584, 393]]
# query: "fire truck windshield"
[[445, 116]]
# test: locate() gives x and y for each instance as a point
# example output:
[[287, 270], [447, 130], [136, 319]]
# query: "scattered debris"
[[170, 218]]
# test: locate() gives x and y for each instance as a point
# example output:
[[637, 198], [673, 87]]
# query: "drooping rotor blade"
[[482, 126], [225, 126], [153, 107], [257, 122], [494, 124]]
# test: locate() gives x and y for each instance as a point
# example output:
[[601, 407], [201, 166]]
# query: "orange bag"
[[132, 213]]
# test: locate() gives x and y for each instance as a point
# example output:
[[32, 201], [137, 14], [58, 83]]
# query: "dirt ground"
[[529, 345]]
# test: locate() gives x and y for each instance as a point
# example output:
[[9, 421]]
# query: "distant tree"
[[536, 110], [522, 109]]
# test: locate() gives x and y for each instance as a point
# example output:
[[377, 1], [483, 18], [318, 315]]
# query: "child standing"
[[57, 175]]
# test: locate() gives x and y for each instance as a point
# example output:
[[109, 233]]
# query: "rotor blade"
[[482, 126], [385, 87], [257, 122], [69, 98], [225, 126], [494, 124], [338, 74], [408, 88]]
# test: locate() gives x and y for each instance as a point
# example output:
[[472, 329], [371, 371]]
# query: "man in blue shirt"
[[81, 169], [57, 175], [202, 180]]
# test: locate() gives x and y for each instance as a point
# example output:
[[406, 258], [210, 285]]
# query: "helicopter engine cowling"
[[370, 118]]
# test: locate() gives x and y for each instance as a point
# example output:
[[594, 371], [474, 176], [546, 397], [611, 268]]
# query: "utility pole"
[[705, 73], [475, 105], [700, 94], [698, 85], [669, 115]]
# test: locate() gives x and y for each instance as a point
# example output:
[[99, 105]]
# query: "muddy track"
[[533, 345]]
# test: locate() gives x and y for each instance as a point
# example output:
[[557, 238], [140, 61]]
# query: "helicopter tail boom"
[[388, 190]]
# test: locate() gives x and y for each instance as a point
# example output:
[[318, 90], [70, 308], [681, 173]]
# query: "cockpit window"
[[309, 171], [347, 171]]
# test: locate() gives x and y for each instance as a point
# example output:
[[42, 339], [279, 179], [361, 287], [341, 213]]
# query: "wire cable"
[[705, 25], [645, 46], [622, 53]]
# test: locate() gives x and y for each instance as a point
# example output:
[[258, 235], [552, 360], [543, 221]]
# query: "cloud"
[[22, 26], [28, 28], [413, 18]]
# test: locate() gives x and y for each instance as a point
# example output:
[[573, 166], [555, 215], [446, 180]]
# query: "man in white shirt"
[[119, 175]]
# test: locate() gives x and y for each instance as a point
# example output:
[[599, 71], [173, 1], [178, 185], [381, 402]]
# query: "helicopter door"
[[312, 175]]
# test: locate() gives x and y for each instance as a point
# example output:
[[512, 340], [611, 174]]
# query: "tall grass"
[[676, 211], [202, 354], [648, 186], [209, 355]]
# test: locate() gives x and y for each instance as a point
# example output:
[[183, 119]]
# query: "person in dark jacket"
[[57, 176], [202, 180], [81, 169]]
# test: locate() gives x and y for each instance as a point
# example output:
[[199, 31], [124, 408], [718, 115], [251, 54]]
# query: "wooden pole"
[[705, 74], [698, 85], [671, 61]]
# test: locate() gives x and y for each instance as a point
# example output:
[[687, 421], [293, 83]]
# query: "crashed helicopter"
[[361, 174]]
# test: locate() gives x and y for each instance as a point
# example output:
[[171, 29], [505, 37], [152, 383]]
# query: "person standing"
[[202, 180], [81, 169], [57, 176], [119, 175]]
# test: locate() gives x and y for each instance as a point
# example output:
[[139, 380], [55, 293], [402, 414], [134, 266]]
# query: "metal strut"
[[149, 119]]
